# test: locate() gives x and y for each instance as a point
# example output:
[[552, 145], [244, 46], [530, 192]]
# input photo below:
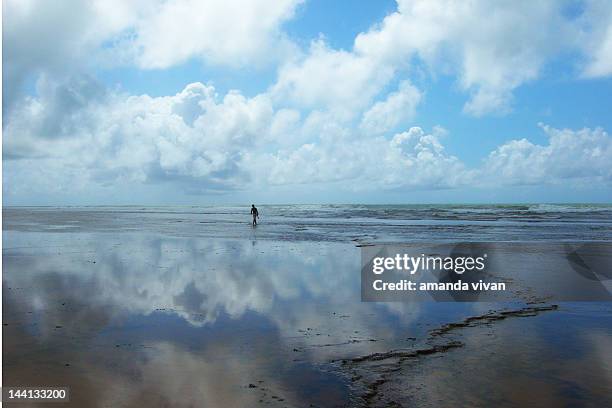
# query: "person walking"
[[255, 214]]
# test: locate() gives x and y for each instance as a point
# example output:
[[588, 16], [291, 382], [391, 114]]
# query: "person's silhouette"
[[255, 214]]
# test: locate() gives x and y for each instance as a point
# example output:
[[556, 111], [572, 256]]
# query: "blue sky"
[[185, 102]]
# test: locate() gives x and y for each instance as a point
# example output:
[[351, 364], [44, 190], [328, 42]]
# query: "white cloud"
[[61, 38], [228, 32], [399, 106], [601, 64], [571, 155], [156, 34], [56, 38], [198, 138], [493, 47], [190, 135], [336, 80], [596, 38], [328, 118], [77, 135], [410, 159]]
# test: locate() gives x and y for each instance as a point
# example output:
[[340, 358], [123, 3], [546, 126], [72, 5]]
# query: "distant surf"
[[340, 223]]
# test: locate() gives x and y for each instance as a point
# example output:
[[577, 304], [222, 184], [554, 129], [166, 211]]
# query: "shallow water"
[[133, 308], [341, 223]]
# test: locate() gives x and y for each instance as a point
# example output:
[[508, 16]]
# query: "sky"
[[189, 102]]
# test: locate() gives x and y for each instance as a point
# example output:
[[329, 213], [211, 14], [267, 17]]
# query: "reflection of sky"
[[136, 302], [293, 285], [147, 317]]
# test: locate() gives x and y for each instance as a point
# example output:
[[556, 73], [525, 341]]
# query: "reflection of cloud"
[[296, 286], [190, 299], [92, 285], [161, 374], [170, 376]]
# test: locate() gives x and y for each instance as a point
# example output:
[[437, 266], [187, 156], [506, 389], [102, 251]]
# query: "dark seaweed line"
[[473, 321], [445, 329], [490, 318]]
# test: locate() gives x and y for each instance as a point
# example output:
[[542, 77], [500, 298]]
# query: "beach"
[[191, 306]]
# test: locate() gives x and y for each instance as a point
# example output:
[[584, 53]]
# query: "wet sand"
[[143, 319]]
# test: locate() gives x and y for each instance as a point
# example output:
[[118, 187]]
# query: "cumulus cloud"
[[229, 32], [77, 134], [63, 38], [198, 137], [57, 38], [492, 47], [193, 135], [331, 116], [601, 64], [156, 34], [397, 107], [570, 155], [596, 39], [409, 159], [336, 80]]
